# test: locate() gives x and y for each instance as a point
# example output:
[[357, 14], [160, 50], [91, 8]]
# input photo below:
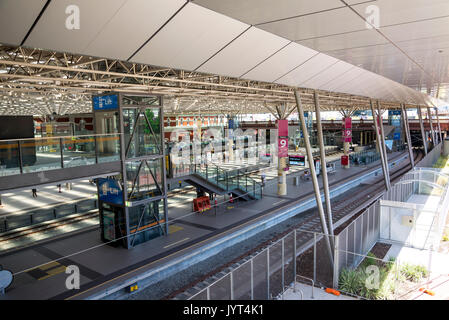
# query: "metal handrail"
[[311, 280], [62, 137]]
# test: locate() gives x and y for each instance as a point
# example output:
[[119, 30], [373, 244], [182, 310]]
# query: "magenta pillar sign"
[[282, 138], [347, 130], [282, 147]]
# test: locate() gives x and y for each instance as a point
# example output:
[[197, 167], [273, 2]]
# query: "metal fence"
[[431, 157], [418, 224], [298, 255]]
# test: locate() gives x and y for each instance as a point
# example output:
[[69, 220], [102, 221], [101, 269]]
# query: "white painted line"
[[278, 202], [176, 243]]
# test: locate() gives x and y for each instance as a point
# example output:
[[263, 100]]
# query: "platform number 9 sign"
[[283, 143]]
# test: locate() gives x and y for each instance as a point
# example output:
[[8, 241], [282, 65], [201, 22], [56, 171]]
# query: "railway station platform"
[[39, 270]]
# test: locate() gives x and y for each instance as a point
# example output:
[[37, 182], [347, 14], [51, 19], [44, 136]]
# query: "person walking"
[[59, 188], [34, 191], [263, 178]]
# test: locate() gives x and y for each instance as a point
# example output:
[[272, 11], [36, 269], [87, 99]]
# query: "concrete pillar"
[[282, 176], [230, 139], [346, 144], [361, 138], [282, 132], [423, 134], [316, 186]]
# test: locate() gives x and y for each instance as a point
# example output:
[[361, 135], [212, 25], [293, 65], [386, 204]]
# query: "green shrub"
[[352, 281], [414, 272]]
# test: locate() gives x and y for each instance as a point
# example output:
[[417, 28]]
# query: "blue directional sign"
[[109, 102], [394, 113], [397, 136], [109, 190]]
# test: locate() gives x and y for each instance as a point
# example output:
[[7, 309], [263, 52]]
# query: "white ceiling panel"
[[131, 27], [365, 53], [260, 11], [281, 63], [192, 37], [358, 85], [343, 79], [308, 70], [331, 73], [418, 30], [243, 54], [51, 32], [12, 28], [345, 41], [317, 25], [403, 11]]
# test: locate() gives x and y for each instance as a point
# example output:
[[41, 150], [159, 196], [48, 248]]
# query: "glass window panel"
[[47, 155], [78, 151], [144, 183]]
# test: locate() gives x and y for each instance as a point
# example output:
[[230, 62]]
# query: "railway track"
[[58, 223], [344, 210]]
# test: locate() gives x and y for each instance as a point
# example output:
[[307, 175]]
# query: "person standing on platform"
[[262, 178], [34, 191], [59, 188]]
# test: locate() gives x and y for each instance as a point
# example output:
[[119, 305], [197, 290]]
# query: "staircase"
[[214, 179]]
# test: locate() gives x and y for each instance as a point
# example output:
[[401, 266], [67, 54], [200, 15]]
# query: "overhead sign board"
[[109, 190], [109, 102]]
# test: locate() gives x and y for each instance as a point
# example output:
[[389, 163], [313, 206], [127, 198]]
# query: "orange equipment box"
[[201, 204]]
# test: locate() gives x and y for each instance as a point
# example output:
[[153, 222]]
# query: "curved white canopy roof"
[[321, 45]]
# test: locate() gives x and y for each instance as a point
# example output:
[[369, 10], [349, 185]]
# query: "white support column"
[[439, 125], [379, 147], [324, 167], [382, 140], [316, 186], [407, 134], [423, 133], [429, 114]]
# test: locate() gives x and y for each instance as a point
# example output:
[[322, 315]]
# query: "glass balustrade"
[[228, 180], [43, 154]]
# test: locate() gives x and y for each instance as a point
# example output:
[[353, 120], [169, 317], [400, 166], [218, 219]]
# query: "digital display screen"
[[297, 160]]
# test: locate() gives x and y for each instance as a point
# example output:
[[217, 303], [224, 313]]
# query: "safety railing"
[[299, 256], [364, 157], [39, 215], [41, 154], [229, 180]]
